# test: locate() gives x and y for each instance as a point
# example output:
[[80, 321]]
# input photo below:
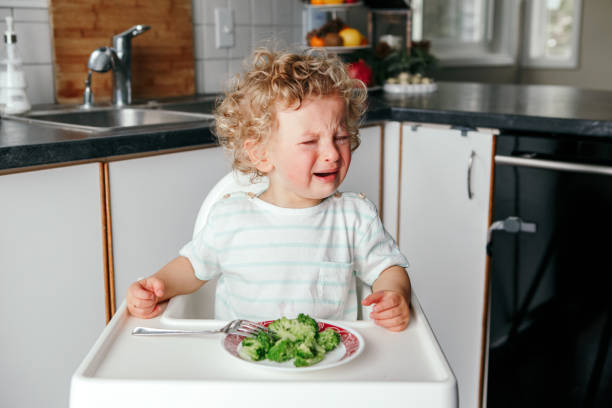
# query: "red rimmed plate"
[[351, 345]]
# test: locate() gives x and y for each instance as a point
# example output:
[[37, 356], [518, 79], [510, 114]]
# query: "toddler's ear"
[[258, 155]]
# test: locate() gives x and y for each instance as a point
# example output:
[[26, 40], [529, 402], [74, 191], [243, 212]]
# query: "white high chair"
[[120, 371], [230, 183]]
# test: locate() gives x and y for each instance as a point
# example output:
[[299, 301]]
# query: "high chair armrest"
[[363, 291]]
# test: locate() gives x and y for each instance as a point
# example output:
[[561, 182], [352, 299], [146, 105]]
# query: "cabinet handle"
[[469, 174]]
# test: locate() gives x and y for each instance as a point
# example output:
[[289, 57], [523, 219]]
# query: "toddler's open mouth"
[[327, 176]]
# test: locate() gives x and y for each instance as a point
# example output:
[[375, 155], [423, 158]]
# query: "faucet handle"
[[87, 94], [102, 59], [134, 31]]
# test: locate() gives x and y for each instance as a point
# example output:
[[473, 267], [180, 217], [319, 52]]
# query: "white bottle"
[[12, 77]]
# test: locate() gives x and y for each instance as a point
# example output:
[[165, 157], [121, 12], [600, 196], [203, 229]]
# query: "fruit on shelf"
[[316, 41], [333, 1], [351, 37], [317, 2], [360, 70], [333, 40], [335, 33]]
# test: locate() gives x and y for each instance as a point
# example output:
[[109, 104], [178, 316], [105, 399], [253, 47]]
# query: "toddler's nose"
[[330, 152]]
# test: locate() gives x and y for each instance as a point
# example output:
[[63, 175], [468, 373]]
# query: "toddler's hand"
[[143, 297], [391, 309]]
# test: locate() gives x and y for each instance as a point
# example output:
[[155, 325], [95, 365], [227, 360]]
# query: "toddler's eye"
[[309, 142], [342, 139]]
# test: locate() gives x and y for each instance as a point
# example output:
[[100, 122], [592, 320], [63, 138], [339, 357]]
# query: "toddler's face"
[[310, 153]]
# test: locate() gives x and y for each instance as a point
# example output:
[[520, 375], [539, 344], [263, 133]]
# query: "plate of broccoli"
[[300, 344]]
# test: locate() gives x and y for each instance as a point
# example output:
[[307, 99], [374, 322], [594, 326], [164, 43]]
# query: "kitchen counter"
[[544, 109], [541, 109]]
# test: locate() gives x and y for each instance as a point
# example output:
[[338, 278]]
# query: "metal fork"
[[240, 327]]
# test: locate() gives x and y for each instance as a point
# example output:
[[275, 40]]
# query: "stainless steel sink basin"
[[202, 106], [114, 119]]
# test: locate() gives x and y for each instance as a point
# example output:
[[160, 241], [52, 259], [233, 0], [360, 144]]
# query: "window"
[[487, 32], [464, 21], [553, 28], [468, 32]]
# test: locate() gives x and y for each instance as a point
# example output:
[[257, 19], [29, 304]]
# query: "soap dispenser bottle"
[[12, 77]]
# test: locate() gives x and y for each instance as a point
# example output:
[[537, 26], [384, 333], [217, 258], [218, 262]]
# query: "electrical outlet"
[[224, 28]]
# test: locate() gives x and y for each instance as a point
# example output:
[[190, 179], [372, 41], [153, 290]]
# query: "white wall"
[[255, 21]]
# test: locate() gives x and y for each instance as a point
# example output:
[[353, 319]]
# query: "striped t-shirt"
[[273, 261]]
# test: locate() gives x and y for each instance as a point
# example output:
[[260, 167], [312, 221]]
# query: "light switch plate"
[[224, 28]]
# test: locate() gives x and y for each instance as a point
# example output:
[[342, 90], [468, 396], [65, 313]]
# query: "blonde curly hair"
[[275, 81]]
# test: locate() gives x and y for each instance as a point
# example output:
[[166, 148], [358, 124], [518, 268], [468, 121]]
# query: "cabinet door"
[[365, 171], [443, 233], [391, 178], [154, 204], [52, 306]]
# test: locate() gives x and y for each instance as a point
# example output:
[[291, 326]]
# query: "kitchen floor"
[[551, 363]]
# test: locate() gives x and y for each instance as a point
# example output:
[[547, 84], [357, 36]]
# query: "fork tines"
[[248, 328]]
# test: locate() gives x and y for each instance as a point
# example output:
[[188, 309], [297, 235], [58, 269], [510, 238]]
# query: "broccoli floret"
[[329, 339], [318, 355], [305, 362], [282, 329], [306, 349], [265, 340], [309, 322], [252, 349], [256, 348], [282, 350], [294, 329]]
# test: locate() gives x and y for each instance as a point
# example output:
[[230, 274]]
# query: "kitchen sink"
[[99, 120], [203, 106]]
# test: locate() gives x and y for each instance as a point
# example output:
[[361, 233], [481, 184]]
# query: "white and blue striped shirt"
[[274, 261]]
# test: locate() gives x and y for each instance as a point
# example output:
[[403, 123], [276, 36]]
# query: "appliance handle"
[[470, 193], [553, 165]]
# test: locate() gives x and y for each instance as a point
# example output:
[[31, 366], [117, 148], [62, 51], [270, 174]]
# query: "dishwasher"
[[550, 273]]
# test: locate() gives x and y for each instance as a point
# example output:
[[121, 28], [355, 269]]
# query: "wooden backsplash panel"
[[162, 58]]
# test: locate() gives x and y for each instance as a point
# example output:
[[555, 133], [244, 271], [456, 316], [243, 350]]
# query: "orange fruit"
[[317, 2], [350, 36], [333, 1], [316, 41]]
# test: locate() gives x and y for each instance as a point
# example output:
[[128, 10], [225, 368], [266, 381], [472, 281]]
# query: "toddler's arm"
[[176, 278], [391, 295]]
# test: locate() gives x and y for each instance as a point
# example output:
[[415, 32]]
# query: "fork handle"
[[149, 331]]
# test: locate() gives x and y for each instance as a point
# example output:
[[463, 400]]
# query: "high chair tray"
[[122, 370]]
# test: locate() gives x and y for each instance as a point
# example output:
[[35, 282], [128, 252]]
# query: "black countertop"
[[540, 110], [510, 108]]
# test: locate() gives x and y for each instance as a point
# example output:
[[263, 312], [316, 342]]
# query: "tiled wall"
[[255, 21]]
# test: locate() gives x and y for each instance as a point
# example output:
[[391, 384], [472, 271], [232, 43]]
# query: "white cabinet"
[[443, 234], [52, 306], [365, 171], [391, 178], [154, 204]]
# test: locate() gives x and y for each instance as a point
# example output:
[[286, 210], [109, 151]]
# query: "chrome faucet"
[[117, 58]]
